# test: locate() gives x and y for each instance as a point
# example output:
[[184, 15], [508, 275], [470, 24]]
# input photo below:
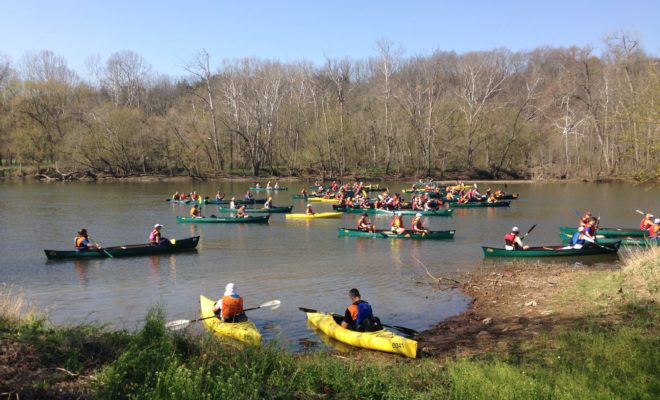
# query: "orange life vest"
[[231, 306], [79, 241], [397, 223]]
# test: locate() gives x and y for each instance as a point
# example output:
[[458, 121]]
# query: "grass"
[[586, 357]]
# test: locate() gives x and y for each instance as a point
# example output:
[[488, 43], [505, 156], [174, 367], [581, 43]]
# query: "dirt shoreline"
[[510, 304]]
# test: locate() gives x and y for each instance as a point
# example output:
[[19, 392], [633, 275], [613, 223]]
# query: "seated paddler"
[[230, 306]]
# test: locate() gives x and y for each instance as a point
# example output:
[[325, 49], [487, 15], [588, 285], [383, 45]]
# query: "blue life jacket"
[[578, 238], [364, 312]]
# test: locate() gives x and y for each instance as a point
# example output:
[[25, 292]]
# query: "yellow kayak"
[[242, 331], [332, 214], [382, 340], [321, 200]]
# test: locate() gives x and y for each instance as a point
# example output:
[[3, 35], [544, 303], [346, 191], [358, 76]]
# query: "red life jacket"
[[509, 239], [231, 306]]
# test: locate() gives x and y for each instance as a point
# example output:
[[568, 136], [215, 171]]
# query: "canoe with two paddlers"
[[129, 250], [553, 251]]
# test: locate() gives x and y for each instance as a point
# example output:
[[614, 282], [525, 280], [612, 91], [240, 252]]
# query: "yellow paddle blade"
[[173, 241]]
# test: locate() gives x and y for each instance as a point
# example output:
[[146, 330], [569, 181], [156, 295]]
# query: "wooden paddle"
[[182, 323], [402, 329]]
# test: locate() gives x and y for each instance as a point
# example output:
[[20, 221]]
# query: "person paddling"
[[654, 231], [364, 225], [241, 212], [359, 315], [579, 239], [647, 222], [155, 236], [396, 226], [512, 241], [83, 243], [418, 225], [195, 211], [308, 210], [269, 203], [230, 306]]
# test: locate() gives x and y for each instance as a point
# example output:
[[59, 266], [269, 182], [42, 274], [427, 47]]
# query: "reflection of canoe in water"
[[625, 240], [608, 232], [225, 201], [272, 210], [263, 189], [227, 220], [431, 235], [316, 215], [382, 340], [245, 332], [551, 251], [479, 204], [128, 250]]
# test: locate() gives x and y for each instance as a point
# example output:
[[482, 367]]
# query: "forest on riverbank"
[[547, 113]]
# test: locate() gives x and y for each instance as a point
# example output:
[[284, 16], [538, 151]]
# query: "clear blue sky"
[[166, 33]]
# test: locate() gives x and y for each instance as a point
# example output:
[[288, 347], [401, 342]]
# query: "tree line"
[[544, 113]]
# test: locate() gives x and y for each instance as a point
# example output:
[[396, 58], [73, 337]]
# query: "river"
[[302, 263]]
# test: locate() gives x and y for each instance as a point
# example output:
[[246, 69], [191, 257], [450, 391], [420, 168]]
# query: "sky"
[[167, 33]]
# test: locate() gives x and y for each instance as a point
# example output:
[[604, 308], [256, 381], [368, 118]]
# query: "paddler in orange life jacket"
[[590, 229], [82, 242], [230, 306], [646, 222], [512, 241], [195, 211], [654, 231], [396, 226], [359, 316], [364, 225], [417, 225]]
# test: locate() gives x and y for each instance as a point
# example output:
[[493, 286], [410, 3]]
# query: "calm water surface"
[[302, 263]]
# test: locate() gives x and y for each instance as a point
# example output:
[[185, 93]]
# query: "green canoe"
[[481, 204], [551, 251], [272, 210], [225, 201], [261, 189], [625, 240], [353, 210], [608, 232], [441, 212], [431, 235], [172, 201], [146, 249], [227, 220]]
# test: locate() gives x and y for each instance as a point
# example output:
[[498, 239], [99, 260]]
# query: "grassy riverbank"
[[603, 343]]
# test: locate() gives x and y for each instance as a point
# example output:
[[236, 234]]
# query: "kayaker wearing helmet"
[[359, 315], [308, 210], [396, 226], [82, 242], [155, 237], [512, 241], [417, 225], [364, 225], [230, 306]]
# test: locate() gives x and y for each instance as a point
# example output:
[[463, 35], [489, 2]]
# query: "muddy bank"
[[510, 304]]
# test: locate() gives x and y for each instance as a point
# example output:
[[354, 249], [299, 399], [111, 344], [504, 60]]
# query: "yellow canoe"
[[242, 331], [332, 214], [321, 200], [382, 340]]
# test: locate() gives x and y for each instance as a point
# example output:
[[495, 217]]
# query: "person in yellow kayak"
[[512, 240], [359, 315], [308, 210], [396, 226], [230, 306], [364, 225], [83, 243], [195, 211], [418, 225]]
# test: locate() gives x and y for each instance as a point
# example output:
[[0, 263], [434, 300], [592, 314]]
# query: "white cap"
[[657, 221], [581, 229], [418, 215], [229, 289], [158, 226], [309, 205], [515, 229]]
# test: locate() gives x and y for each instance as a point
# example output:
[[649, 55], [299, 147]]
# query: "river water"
[[302, 263]]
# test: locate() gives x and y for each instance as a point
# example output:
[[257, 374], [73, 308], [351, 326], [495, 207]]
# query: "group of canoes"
[[358, 326]]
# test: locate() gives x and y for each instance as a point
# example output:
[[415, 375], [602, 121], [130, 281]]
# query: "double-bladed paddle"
[[530, 229], [182, 323], [402, 329]]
